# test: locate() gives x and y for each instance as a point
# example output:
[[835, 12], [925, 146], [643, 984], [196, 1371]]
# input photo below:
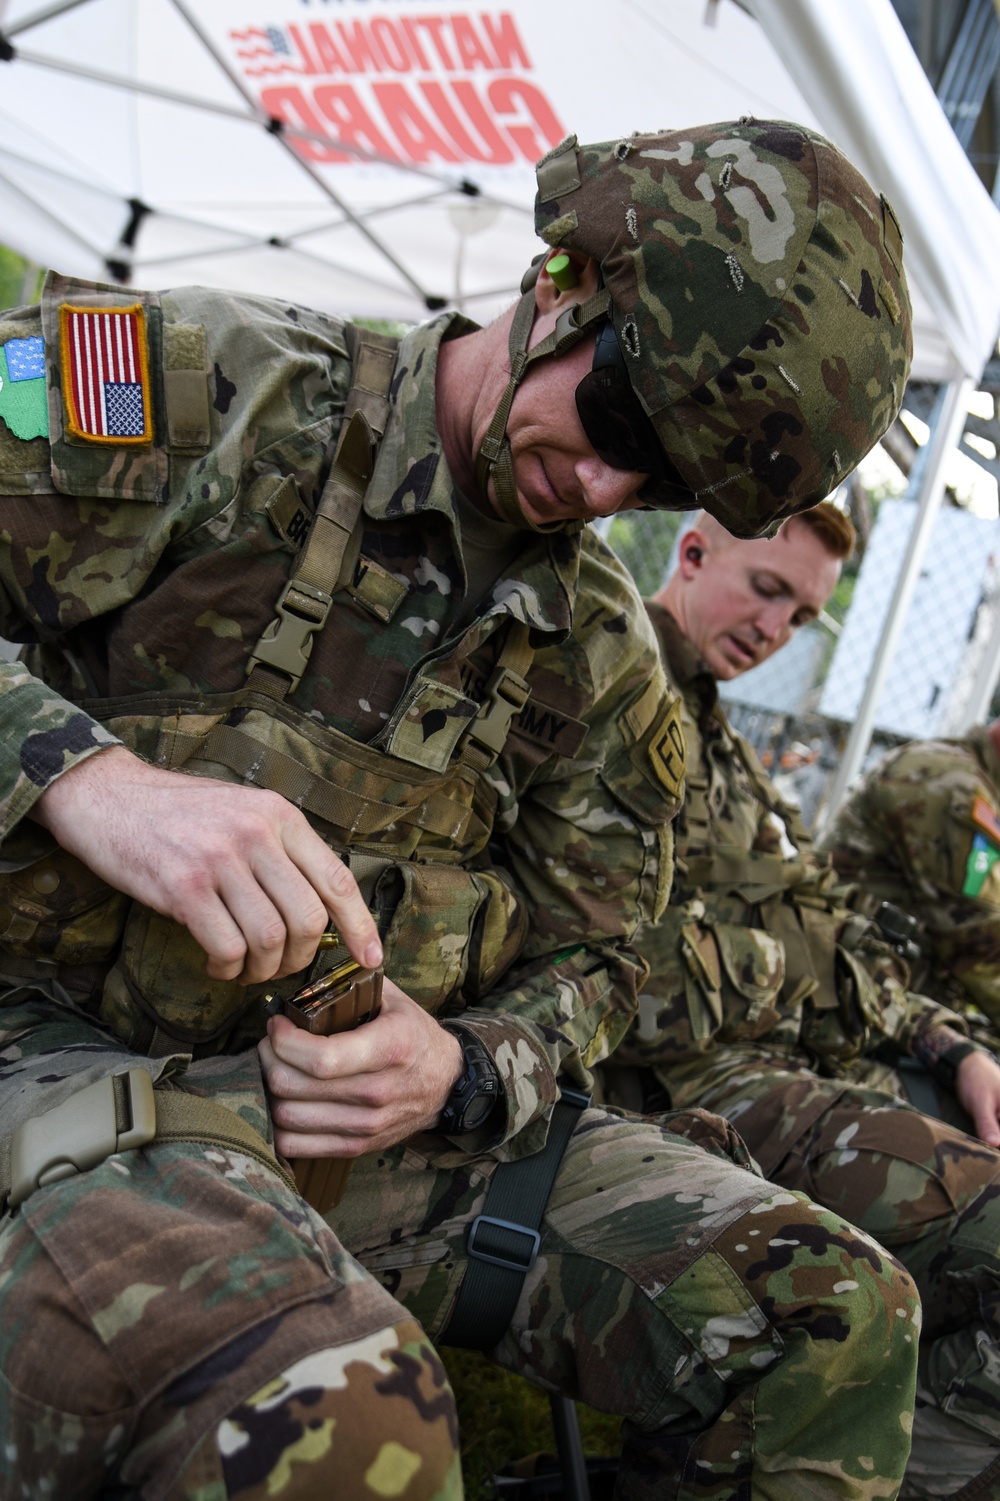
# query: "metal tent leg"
[[569, 1447]]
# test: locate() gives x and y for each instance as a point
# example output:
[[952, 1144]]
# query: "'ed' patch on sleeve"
[[105, 374], [982, 858]]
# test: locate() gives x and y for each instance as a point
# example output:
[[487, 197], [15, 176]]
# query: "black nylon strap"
[[503, 1241]]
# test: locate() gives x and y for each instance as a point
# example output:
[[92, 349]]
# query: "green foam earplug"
[[562, 272]]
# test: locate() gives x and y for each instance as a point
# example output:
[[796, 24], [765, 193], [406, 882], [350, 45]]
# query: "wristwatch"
[[477, 1090]]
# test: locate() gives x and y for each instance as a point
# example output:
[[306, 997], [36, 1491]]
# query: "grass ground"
[[502, 1417]]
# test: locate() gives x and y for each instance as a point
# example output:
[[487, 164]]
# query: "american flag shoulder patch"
[[105, 374]]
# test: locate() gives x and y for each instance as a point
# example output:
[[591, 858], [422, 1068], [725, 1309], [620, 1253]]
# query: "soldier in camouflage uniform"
[[767, 995], [460, 696], [923, 831]]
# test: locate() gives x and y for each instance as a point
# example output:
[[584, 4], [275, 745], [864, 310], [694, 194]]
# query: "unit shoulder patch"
[[105, 374], [983, 855], [667, 751], [985, 815]]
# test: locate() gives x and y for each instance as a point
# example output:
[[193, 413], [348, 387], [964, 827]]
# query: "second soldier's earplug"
[[562, 272]]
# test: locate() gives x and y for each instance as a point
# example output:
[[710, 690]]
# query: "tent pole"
[[40, 208], [376, 243], [26, 22], [251, 116], [928, 487]]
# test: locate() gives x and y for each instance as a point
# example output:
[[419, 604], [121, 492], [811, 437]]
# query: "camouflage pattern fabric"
[[728, 950], [205, 1335], [758, 296], [156, 574], [165, 595], [674, 1286], [931, 1195], [740, 1048], [910, 835]]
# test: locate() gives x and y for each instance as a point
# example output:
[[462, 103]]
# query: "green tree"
[[13, 268]]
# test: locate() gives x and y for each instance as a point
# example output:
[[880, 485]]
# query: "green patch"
[[982, 858], [23, 403]]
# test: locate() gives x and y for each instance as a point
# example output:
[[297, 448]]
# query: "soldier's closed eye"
[[768, 586]]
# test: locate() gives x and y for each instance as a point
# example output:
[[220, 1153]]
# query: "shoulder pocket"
[[647, 773], [124, 390]]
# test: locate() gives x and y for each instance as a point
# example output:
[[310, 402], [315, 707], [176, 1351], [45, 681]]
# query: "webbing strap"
[[361, 816], [281, 655], [503, 1241], [187, 1117], [767, 794], [507, 692], [494, 456], [728, 865], [97, 1121]]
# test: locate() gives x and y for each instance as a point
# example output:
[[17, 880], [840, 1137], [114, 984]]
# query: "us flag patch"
[[105, 374]]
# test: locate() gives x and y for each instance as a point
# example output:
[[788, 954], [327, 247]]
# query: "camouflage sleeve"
[[66, 563], [591, 852], [85, 527], [924, 1028], [41, 736], [924, 833]]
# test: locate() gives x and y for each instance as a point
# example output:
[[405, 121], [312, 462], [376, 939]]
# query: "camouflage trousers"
[[926, 1191], [756, 1345], [177, 1325]]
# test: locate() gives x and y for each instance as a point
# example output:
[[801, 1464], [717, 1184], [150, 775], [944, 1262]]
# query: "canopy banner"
[[453, 87], [375, 157]]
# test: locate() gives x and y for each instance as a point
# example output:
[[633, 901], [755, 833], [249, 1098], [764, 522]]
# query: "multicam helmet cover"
[[758, 294]]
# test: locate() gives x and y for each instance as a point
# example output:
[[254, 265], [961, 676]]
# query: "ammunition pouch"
[[712, 982], [52, 907], [733, 981], [772, 951], [452, 933], [448, 934]]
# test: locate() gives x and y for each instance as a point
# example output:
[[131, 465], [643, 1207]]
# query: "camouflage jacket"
[[145, 574], [758, 949], [923, 831]]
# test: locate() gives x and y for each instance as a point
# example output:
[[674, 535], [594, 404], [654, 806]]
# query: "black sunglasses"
[[619, 430]]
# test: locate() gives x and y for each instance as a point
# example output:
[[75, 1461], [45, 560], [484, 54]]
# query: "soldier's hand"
[[358, 1091], [239, 866], [977, 1086]]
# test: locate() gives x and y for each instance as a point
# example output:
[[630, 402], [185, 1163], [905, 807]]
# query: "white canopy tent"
[[400, 170]]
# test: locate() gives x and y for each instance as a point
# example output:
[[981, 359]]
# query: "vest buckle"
[[112, 1115], [507, 692], [286, 644]]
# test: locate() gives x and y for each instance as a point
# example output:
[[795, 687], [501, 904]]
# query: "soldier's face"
[[558, 475], [744, 600]]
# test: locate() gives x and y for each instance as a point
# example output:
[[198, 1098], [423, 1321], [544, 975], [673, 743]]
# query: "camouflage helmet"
[[757, 293]]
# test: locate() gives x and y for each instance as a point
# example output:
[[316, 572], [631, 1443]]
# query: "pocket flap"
[[753, 960], [102, 347]]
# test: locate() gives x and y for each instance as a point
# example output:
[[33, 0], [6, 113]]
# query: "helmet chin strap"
[[494, 458]]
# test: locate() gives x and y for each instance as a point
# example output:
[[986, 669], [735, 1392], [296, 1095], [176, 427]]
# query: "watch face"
[[477, 1110]]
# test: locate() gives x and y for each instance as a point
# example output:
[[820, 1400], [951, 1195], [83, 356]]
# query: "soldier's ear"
[[573, 278], [692, 553]]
